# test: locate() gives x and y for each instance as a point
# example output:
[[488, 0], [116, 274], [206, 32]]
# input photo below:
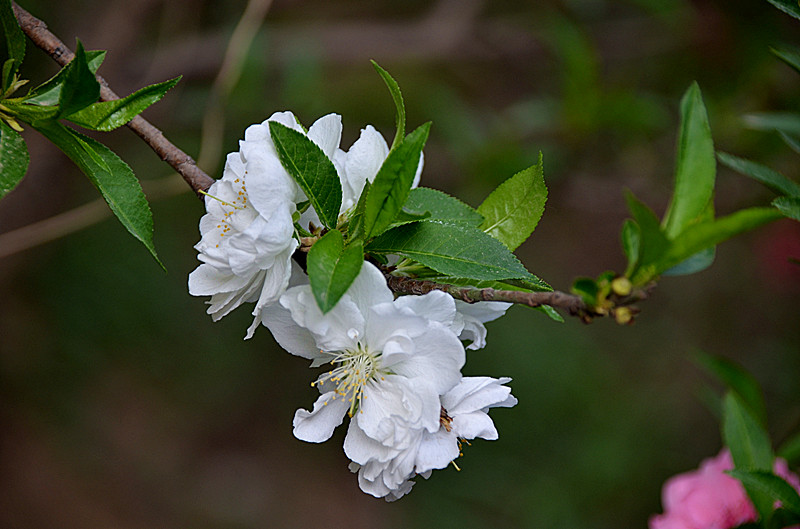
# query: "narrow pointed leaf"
[[749, 445], [787, 122], [397, 97], [48, 92], [15, 42], [700, 260], [441, 206], [738, 380], [787, 6], [13, 158], [791, 141], [389, 191], [709, 234], [512, 211], [80, 88], [695, 169], [311, 169], [770, 485], [452, 249], [112, 177], [769, 177], [332, 268], [789, 206], [652, 244], [631, 235], [790, 56], [355, 228], [108, 115]]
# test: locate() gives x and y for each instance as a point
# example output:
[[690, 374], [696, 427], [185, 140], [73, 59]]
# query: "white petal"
[[338, 330], [369, 288], [476, 393], [472, 425], [418, 175], [207, 280], [436, 450], [435, 306], [364, 159], [326, 132], [317, 425], [362, 449], [295, 339], [438, 359]]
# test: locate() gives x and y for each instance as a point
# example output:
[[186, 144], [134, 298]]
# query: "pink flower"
[[708, 498]]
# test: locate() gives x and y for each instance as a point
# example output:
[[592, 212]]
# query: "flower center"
[[354, 370]]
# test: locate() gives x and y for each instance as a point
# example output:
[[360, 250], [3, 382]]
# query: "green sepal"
[[332, 268], [313, 171], [108, 115], [14, 158], [512, 211], [112, 177], [397, 97]]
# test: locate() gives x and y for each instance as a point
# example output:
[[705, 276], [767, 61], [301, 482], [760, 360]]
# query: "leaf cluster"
[[684, 240], [417, 232], [745, 433], [72, 95]]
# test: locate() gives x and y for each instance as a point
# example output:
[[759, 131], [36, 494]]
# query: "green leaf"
[[770, 178], [709, 234], [652, 242], [452, 249], [790, 449], [696, 168], [702, 259], [311, 169], [31, 113], [587, 289], [787, 122], [80, 88], [631, 237], [770, 485], [441, 206], [13, 158], [791, 141], [108, 115], [787, 6], [782, 518], [112, 177], [48, 92], [738, 380], [513, 210], [789, 206], [15, 42], [389, 190], [355, 227], [332, 268], [397, 97], [790, 56], [749, 445]]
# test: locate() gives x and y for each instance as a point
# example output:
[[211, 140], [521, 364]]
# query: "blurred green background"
[[124, 406]]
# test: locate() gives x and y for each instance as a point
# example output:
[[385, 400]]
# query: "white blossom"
[[463, 416]]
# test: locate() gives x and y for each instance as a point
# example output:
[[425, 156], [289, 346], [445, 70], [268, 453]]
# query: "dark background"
[[124, 406]]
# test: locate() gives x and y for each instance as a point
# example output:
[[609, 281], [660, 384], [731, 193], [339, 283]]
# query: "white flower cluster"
[[394, 364]]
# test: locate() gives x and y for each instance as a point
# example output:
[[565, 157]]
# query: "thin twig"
[[37, 31]]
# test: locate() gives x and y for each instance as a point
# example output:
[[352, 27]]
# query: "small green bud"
[[623, 315], [621, 286]]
